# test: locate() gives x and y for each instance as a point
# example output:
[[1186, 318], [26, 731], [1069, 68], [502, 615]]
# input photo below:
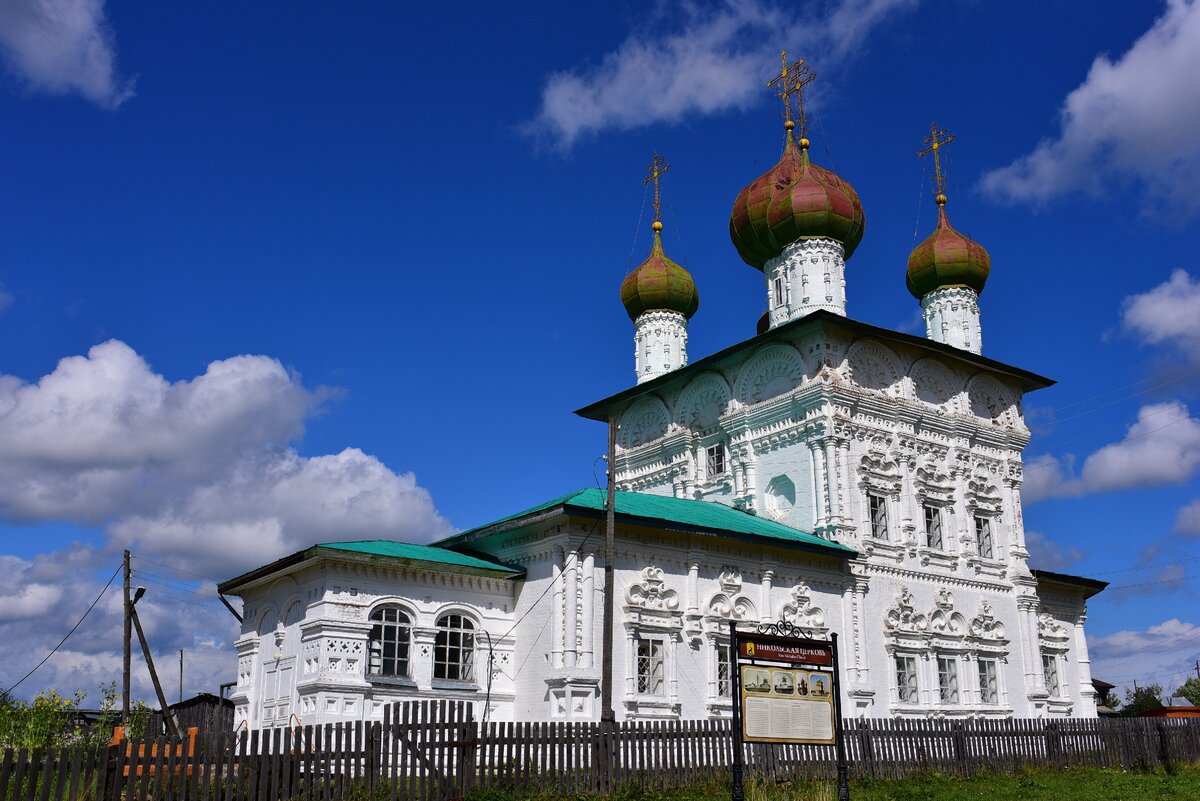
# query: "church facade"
[[825, 472]]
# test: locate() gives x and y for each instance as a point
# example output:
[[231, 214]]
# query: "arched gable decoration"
[[933, 382], [984, 626], [772, 371], [645, 421], [903, 617], [989, 399], [651, 593], [872, 366], [702, 402], [943, 619]]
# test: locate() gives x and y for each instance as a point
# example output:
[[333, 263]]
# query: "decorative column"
[[587, 655], [693, 584], [768, 576], [818, 478], [1086, 691], [556, 613], [570, 631], [836, 513]]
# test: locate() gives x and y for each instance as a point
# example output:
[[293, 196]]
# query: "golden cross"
[[791, 80], [657, 167], [937, 139]]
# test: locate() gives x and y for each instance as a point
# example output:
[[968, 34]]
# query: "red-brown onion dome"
[[794, 200], [764, 323], [947, 259], [659, 284]]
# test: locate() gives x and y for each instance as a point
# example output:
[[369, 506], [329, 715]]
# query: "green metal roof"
[[671, 513], [418, 553]]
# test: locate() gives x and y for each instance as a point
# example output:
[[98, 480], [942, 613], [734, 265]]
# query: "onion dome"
[[764, 323], [947, 259], [794, 200], [659, 284]]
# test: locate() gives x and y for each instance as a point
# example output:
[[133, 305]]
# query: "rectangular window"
[[650, 667], [933, 527], [906, 679], [716, 460], [983, 537], [724, 685], [989, 690], [1050, 672], [877, 506], [778, 291], [948, 679]]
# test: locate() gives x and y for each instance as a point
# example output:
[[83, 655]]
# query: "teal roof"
[[671, 513], [418, 553]]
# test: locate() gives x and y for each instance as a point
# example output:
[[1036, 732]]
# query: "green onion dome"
[[659, 284], [947, 259], [794, 200]]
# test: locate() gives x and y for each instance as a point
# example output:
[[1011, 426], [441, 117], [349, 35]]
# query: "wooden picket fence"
[[437, 750]]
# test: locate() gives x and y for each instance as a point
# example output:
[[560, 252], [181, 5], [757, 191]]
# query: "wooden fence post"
[[468, 735], [1164, 748]]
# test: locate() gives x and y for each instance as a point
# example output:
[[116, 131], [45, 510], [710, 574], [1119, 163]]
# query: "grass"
[[1034, 785]]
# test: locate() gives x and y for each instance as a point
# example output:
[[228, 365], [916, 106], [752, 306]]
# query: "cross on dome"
[[937, 139], [790, 81], [658, 166]]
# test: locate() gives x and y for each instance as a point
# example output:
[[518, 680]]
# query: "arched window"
[[454, 648], [390, 639]]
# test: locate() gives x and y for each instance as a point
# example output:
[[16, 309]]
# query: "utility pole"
[[607, 715], [125, 656], [181, 675], [172, 729]]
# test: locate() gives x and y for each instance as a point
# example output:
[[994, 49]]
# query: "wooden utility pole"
[[172, 729], [607, 716], [125, 655], [181, 675]]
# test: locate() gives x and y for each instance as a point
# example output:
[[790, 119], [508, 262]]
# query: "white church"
[[825, 472]]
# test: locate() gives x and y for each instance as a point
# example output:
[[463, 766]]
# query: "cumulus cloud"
[[1132, 121], [1161, 448], [202, 472], [1160, 651], [715, 60], [63, 47], [1047, 554], [199, 476], [1187, 522], [1167, 314]]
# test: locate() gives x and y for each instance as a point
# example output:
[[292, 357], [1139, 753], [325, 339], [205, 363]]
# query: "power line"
[[172, 567], [69, 633]]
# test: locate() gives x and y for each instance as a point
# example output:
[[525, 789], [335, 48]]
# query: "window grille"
[[989, 690], [716, 460], [650, 667], [1050, 672], [391, 637], [724, 684], [983, 537], [906, 679], [877, 506], [933, 527], [454, 649], [948, 679], [778, 291]]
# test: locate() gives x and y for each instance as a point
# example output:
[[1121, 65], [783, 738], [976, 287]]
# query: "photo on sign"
[[784, 682], [756, 680], [818, 684]]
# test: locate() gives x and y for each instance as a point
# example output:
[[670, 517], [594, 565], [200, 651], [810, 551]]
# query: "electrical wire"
[[78, 623], [172, 567]]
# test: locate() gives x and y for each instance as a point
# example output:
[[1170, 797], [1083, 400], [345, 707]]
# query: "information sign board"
[[786, 690]]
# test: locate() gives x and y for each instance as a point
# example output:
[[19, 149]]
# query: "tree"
[[1190, 690], [1108, 699], [1142, 699]]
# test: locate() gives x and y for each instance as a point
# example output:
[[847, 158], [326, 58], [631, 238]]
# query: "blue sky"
[[321, 275]]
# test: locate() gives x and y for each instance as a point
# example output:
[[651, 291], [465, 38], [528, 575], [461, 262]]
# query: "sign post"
[[786, 689]]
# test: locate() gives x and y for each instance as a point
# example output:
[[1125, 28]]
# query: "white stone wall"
[[808, 275], [303, 648]]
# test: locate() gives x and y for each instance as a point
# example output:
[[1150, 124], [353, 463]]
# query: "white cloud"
[[1049, 555], [1159, 654], [1168, 313], [1161, 448], [1187, 522], [202, 471], [1132, 121], [716, 60], [63, 47]]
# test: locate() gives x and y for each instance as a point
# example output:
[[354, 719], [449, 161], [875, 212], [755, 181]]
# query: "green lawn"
[[1040, 785]]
